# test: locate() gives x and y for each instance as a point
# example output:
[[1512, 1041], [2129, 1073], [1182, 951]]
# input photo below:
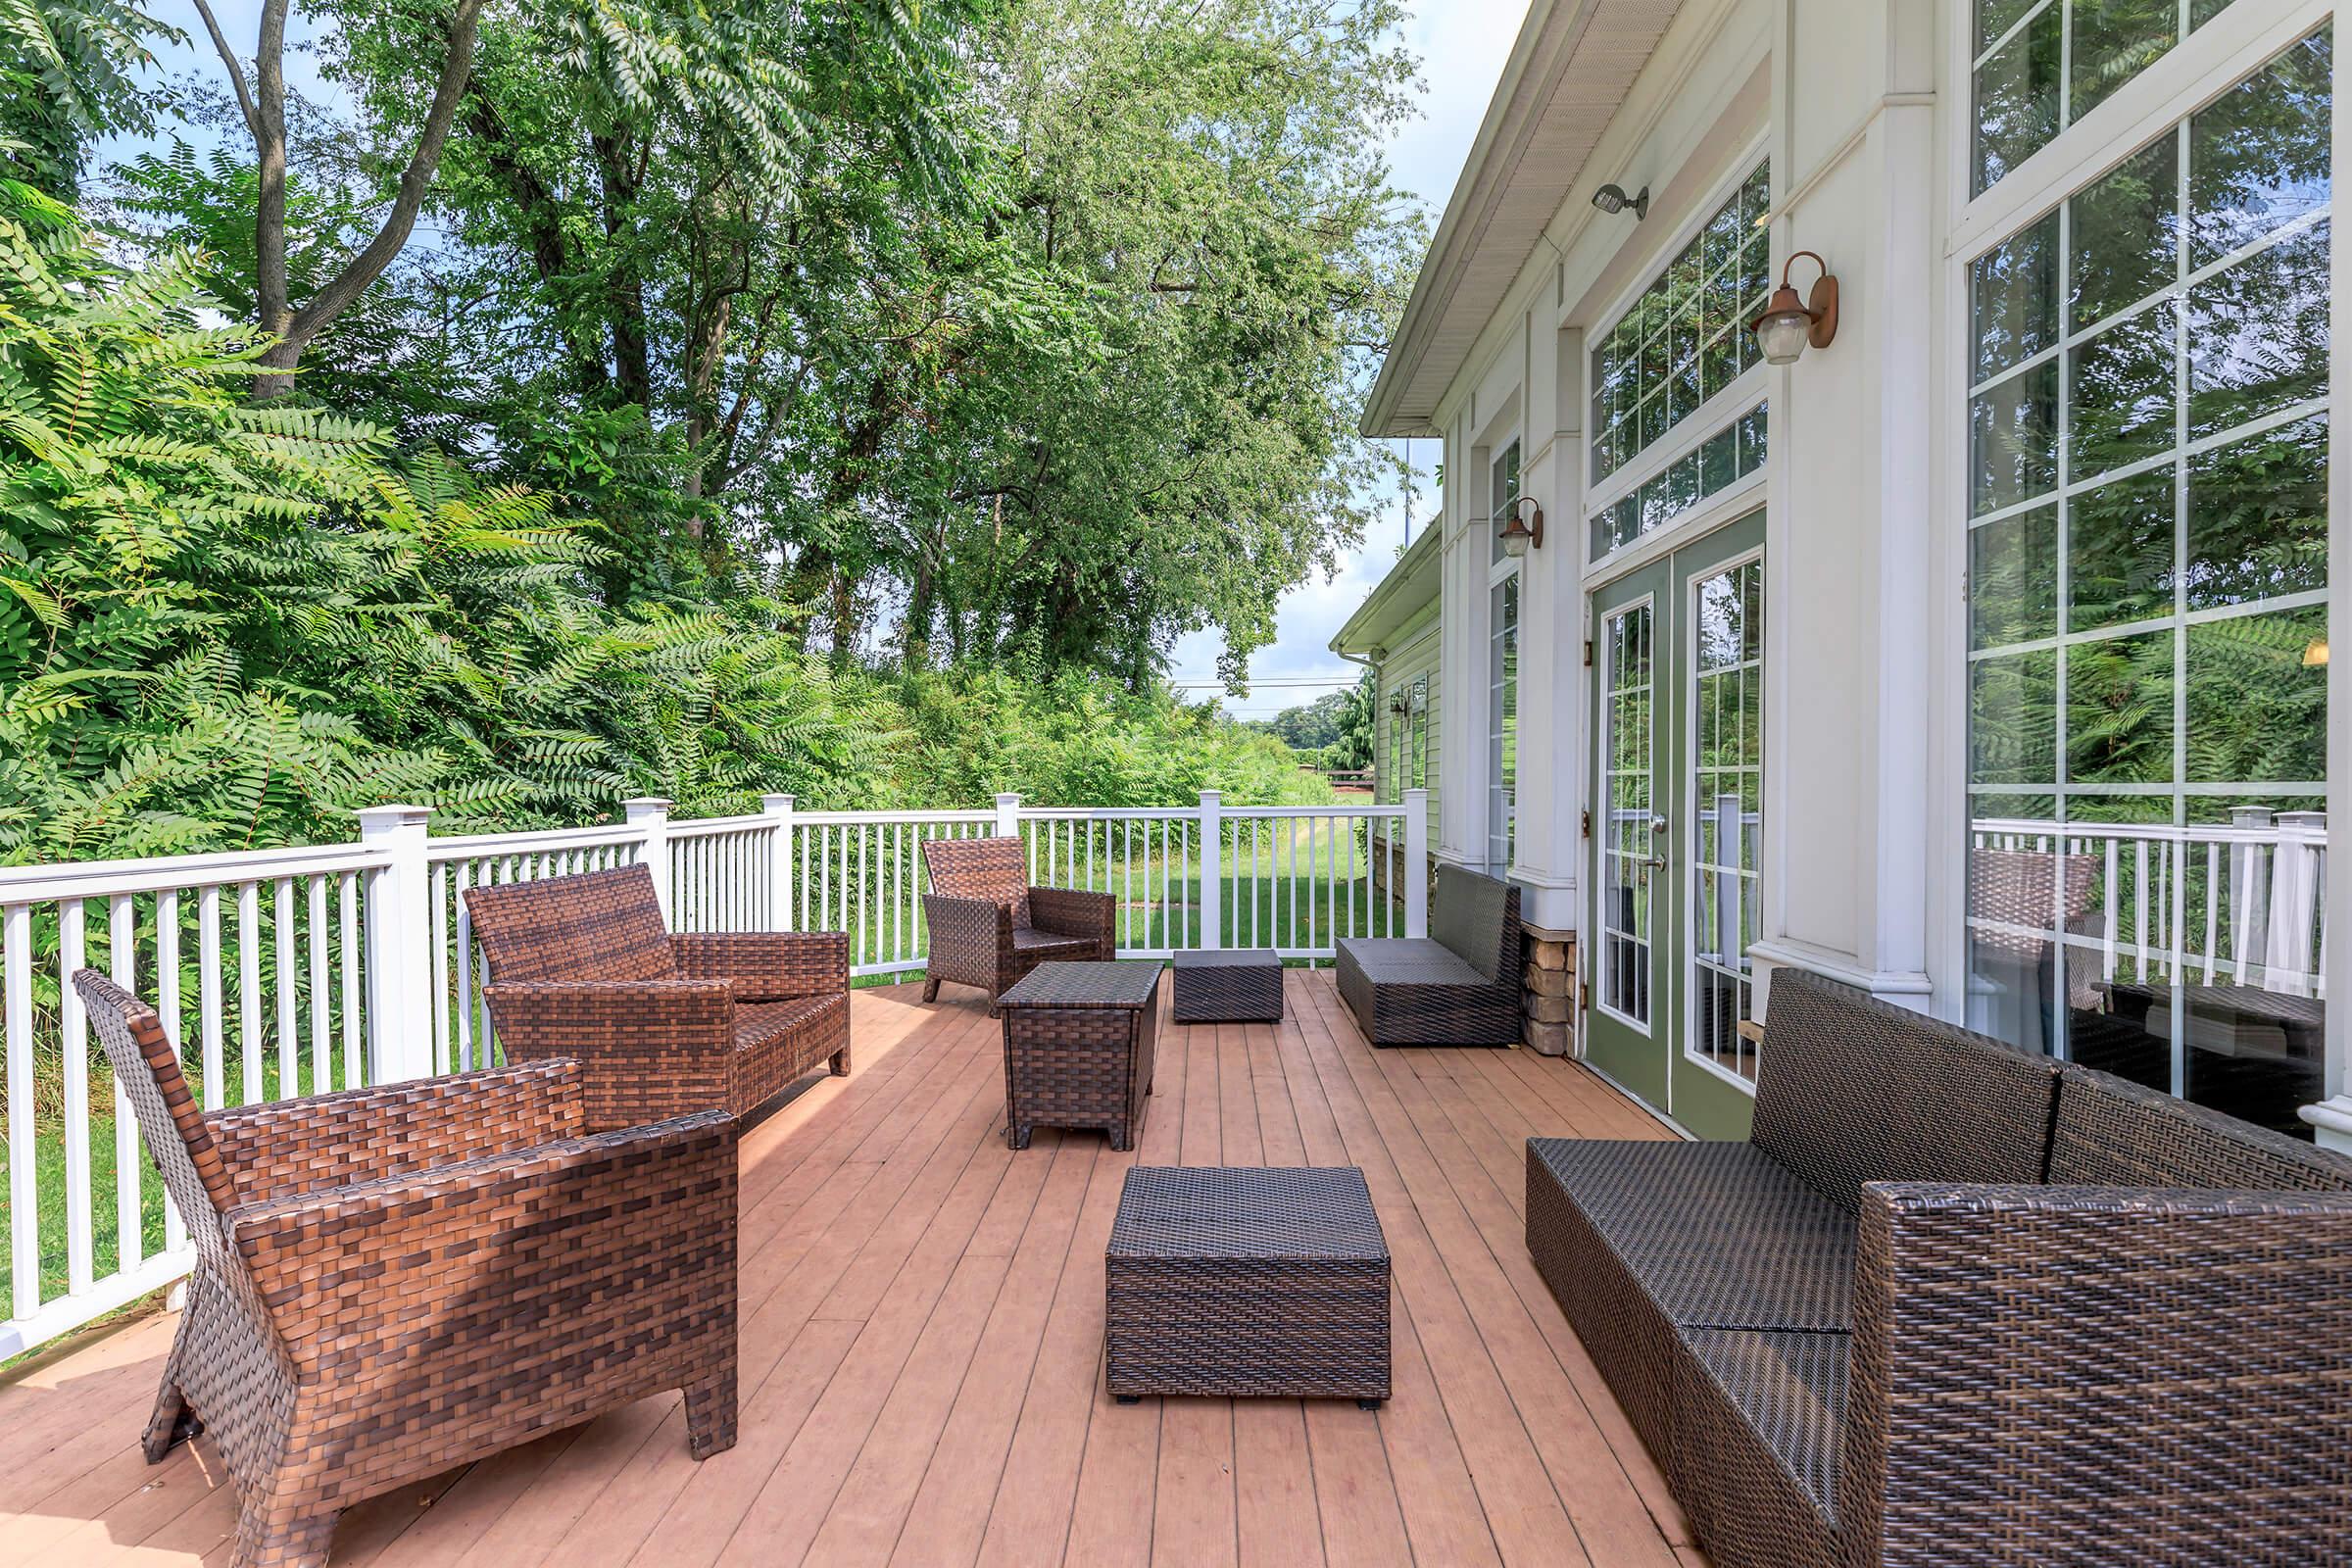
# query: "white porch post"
[[1212, 868], [778, 809], [1009, 817], [650, 816], [1416, 863], [399, 1017]]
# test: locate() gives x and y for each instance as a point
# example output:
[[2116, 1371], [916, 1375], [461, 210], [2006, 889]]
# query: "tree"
[[66, 78], [262, 101]]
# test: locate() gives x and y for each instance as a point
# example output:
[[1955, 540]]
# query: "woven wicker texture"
[[1247, 1282], [988, 926], [1717, 1235], [2118, 1134], [1770, 1500], [2100, 1375], [341, 1341], [661, 1026], [1463, 990], [1079, 1041], [1226, 985], [1865, 1091]]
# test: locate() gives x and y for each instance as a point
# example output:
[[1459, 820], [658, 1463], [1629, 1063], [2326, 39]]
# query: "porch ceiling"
[[1568, 73]]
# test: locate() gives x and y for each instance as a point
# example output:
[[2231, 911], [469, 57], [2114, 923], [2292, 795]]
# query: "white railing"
[[287, 973], [2236, 904]]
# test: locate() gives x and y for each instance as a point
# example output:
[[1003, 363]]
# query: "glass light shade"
[[1516, 538], [1782, 330]]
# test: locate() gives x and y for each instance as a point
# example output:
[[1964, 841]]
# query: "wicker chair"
[[392, 1281], [1457, 986], [1957, 1305], [988, 927], [581, 967]]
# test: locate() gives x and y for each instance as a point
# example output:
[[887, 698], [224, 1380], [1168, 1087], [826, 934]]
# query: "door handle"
[[1658, 828]]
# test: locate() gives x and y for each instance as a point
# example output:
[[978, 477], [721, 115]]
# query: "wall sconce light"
[[1397, 704], [1612, 199], [1519, 536], [1789, 323]]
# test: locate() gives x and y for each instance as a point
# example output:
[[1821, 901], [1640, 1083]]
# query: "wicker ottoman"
[[1227, 985], [1235, 1281], [1078, 1048]]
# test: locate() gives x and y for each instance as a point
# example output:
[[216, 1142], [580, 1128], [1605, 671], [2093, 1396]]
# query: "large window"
[[1685, 339], [2147, 623], [1503, 733], [2041, 64]]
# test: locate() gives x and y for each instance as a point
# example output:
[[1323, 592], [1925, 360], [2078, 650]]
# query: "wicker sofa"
[[989, 926], [1457, 986], [581, 967], [1955, 1304], [396, 1281]]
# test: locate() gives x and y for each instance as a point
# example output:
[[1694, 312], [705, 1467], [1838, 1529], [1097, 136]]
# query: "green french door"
[[1678, 703]]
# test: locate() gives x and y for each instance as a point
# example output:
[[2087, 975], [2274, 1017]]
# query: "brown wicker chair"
[[1957, 1305], [1457, 986], [580, 966], [392, 1281], [989, 926]]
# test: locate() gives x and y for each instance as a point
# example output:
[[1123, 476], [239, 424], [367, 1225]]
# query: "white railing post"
[[398, 959], [1212, 868], [1416, 863], [778, 809], [1009, 817], [650, 816]]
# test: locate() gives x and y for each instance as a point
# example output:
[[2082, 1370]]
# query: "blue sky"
[[1462, 45]]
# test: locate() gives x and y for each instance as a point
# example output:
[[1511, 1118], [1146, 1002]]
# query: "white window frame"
[[2199, 69], [1746, 390]]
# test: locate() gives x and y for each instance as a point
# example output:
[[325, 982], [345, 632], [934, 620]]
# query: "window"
[[2148, 605], [1685, 339], [1727, 804], [1730, 454], [1502, 491], [1625, 794], [1503, 735], [1420, 702], [2041, 64]]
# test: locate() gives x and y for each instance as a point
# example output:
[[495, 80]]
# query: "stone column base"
[[1549, 992]]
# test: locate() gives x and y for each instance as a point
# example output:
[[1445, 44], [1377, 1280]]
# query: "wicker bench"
[[1241, 1282], [1954, 1303], [1457, 986]]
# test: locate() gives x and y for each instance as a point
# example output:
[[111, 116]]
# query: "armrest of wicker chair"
[[286, 1148], [766, 966], [2043, 1372], [1074, 913], [647, 1049], [970, 938], [435, 1264]]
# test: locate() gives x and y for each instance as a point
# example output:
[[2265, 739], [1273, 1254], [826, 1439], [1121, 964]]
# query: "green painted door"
[[1678, 791]]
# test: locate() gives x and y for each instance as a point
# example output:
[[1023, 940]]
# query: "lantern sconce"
[[1520, 535], [1790, 324]]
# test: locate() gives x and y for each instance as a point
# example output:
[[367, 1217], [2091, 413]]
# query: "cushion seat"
[[1030, 939], [1409, 961], [1718, 1235]]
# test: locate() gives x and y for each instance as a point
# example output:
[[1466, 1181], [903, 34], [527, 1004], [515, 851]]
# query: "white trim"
[[1790, 953], [1706, 514], [1747, 390]]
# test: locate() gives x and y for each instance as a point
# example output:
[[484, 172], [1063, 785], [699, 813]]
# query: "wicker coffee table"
[[1235, 1281], [1227, 985], [1078, 1042]]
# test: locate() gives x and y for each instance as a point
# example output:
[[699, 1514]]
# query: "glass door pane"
[[1629, 813], [1725, 773]]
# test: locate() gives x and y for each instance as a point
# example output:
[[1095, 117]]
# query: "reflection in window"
[[1686, 339], [1727, 782], [1730, 454], [1628, 795], [1502, 736], [2147, 588], [2041, 64]]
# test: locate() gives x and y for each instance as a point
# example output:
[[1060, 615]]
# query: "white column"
[[1009, 817], [648, 814], [1212, 868], [1416, 863], [778, 809], [400, 1015]]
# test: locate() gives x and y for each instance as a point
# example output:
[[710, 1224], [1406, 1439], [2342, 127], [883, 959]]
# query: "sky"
[[1462, 45]]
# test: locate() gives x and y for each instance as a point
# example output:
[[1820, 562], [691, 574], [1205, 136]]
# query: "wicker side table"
[[1227, 985], [1237, 1281], [1078, 1048]]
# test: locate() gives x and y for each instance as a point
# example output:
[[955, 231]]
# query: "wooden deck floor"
[[922, 1343]]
